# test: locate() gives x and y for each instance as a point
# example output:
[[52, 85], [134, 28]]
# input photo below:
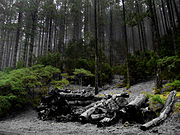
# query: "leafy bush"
[[105, 74], [142, 66], [156, 102], [82, 74], [52, 59], [170, 67], [175, 85], [166, 46], [177, 108], [16, 85], [20, 64], [5, 105], [105, 70], [60, 84]]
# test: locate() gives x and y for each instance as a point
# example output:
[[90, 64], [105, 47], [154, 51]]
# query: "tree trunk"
[[170, 14], [134, 48], [111, 36], [2, 49], [139, 34], [8, 50], [96, 48], [176, 10], [50, 36], [126, 46], [17, 38], [25, 50], [33, 29]]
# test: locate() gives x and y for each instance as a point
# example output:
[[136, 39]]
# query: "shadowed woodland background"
[[55, 43]]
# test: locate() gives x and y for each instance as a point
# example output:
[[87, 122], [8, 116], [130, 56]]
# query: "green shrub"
[[142, 66], [156, 102], [52, 59], [20, 64], [170, 67], [166, 46], [82, 72], [175, 85], [105, 70], [106, 73], [16, 85], [60, 84], [82, 75], [156, 98], [5, 105]]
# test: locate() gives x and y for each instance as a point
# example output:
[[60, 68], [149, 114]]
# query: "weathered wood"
[[86, 115], [107, 121], [78, 96], [80, 103], [147, 114], [97, 117], [132, 111], [164, 113], [138, 102], [116, 102]]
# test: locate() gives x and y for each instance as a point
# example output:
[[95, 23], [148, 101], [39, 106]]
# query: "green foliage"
[[170, 67], [156, 102], [156, 98], [87, 64], [20, 64], [166, 46], [178, 43], [142, 66], [175, 85], [5, 105], [83, 72], [16, 84], [78, 48], [177, 108], [106, 73], [60, 84], [67, 76], [52, 59], [64, 83], [105, 70]]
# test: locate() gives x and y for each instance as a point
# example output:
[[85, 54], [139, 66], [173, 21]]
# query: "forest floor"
[[27, 122]]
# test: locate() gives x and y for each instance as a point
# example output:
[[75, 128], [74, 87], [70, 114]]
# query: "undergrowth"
[[17, 87]]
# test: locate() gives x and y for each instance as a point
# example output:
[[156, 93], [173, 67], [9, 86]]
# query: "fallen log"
[[164, 113], [78, 96], [138, 102], [116, 102], [97, 117], [147, 115], [80, 103], [107, 121], [132, 111]]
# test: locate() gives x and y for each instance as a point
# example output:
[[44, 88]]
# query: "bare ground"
[[27, 122]]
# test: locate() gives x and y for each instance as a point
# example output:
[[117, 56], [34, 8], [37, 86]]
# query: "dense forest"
[[54, 43]]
